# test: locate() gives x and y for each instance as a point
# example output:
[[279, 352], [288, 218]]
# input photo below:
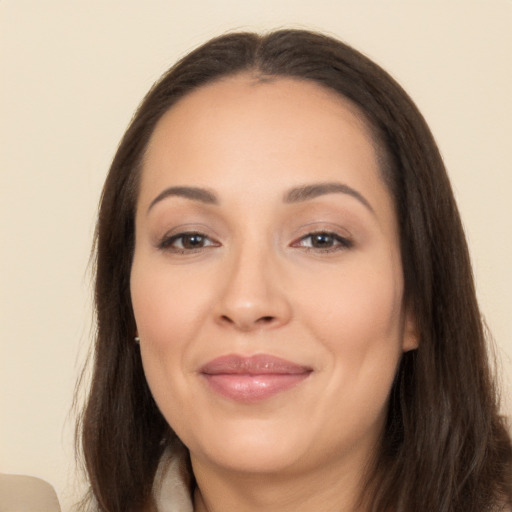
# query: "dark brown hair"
[[445, 448]]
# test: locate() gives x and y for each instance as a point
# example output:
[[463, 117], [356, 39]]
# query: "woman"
[[286, 313]]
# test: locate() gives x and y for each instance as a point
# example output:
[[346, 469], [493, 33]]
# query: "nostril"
[[246, 323]]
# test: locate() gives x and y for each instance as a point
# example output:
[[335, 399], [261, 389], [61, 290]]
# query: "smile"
[[251, 379]]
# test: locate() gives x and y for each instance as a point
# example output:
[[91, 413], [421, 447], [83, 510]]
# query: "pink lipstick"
[[250, 379]]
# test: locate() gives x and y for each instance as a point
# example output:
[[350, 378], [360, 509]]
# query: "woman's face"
[[267, 283]]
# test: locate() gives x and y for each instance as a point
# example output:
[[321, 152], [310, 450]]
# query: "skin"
[[257, 282]]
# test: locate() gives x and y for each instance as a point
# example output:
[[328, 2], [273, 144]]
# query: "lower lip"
[[253, 388]]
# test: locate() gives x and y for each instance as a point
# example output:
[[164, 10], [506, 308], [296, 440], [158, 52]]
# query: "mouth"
[[251, 379]]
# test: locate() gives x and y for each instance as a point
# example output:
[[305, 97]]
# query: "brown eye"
[[324, 241], [184, 242], [192, 241]]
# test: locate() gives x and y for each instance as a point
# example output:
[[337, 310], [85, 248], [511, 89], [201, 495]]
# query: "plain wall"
[[71, 76]]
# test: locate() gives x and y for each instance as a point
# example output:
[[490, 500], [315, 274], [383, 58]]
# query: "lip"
[[251, 379]]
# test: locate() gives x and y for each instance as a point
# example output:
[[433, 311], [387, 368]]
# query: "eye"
[[187, 242], [323, 241]]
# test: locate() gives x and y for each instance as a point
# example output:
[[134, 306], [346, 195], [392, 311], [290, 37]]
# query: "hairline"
[[381, 151]]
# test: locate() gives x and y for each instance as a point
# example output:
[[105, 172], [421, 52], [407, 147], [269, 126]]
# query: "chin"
[[247, 448], [254, 460]]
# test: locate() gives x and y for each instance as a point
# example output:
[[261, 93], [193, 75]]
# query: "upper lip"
[[259, 364]]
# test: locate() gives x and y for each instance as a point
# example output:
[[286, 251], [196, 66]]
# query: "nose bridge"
[[252, 293]]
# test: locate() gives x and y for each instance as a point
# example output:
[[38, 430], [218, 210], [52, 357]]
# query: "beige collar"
[[171, 485]]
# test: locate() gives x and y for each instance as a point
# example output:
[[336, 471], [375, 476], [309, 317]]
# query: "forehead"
[[245, 98], [242, 131]]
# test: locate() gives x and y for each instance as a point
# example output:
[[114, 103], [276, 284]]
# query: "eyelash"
[[338, 243], [167, 242], [341, 243]]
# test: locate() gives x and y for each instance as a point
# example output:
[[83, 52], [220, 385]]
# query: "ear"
[[410, 336]]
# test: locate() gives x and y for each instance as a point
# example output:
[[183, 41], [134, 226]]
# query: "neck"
[[329, 489]]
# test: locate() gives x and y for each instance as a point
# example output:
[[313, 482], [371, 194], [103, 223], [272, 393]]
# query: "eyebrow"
[[307, 192], [195, 193], [294, 195]]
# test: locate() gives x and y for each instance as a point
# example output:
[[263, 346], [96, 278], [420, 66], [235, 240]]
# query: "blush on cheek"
[[366, 316], [378, 302], [157, 307]]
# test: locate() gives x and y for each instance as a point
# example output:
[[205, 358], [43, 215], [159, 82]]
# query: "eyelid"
[[170, 229], [168, 240], [165, 242], [342, 241]]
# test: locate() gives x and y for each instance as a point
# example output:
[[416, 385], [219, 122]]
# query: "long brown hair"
[[445, 448]]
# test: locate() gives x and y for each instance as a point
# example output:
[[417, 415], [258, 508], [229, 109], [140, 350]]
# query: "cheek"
[[168, 311], [167, 305], [357, 315], [360, 303]]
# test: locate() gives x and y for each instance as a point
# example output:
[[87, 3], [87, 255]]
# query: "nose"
[[253, 293]]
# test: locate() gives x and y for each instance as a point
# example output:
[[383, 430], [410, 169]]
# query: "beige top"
[[28, 494], [20, 493], [170, 487]]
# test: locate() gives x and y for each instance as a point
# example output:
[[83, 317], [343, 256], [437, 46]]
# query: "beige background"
[[71, 75]]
